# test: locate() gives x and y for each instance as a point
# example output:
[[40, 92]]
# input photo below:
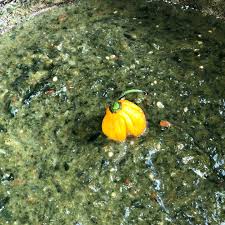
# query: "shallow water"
[[57, 73]]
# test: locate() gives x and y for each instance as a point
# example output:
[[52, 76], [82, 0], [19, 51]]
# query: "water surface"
[[57, 73]]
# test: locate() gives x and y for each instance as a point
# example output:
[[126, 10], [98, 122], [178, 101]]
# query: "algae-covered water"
[[58, 72]]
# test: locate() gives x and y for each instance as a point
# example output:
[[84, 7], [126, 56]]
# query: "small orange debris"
[[153, 196], [50, 91], [127, 181], [165, 123], [62, 18]]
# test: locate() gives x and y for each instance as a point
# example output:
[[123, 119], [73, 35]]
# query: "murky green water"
[[58, 72]]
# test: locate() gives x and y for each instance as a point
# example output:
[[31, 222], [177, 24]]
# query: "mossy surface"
[[57, 73]]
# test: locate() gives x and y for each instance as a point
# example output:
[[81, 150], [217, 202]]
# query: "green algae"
[[58, 72]]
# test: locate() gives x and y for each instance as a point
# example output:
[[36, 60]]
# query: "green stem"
[[131, 91], [115, 107]]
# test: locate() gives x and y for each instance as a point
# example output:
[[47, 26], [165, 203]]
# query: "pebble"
[[132, 66], [201, 67], [180, 146], [112, 57], [160, 105], [110, 154], [113, 170], [113, 194], [151, 176], [137, 61], [55, 78], [59, 47], [158, 146], [173, 174], [185, 109]]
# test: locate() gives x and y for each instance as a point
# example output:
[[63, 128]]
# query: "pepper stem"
[[131, 91], [115, 107]]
